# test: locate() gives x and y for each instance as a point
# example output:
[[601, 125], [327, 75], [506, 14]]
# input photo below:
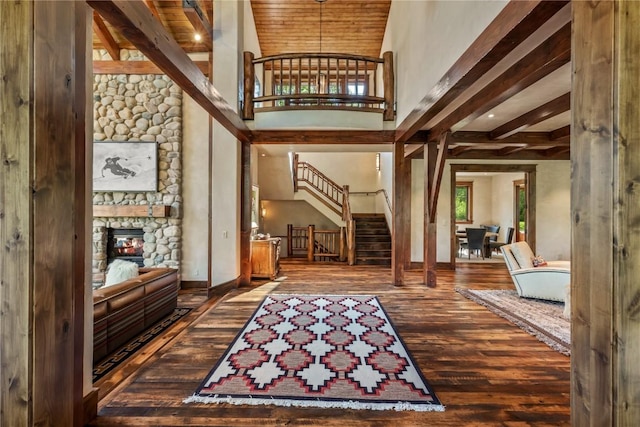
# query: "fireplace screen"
[[127, 244]]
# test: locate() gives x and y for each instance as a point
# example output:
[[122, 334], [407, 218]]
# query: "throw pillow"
[[523, 255], [119, 271]]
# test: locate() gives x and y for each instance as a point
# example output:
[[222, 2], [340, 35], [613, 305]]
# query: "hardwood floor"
[[484, 370]]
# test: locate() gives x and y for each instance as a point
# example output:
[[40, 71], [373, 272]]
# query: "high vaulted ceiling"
[[296, 26], [507, 97], [180, 19]]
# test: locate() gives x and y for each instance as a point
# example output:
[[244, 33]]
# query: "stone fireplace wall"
[[142, 108]]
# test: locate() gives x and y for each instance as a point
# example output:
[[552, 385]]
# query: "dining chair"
[[475, 241], [497, 245]]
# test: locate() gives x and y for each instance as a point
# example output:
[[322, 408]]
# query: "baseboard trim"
[[90, 406], [217, 292], [193, 284]]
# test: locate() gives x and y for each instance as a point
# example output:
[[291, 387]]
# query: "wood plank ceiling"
[[180, 20], [512, 109], [348, 26]]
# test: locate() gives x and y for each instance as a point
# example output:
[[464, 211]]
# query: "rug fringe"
[[309, 403]]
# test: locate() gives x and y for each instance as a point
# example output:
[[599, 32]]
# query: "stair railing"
[[315, 245], [332, 195]]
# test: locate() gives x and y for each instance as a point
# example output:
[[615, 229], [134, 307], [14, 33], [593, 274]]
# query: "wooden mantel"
[[151, 211]]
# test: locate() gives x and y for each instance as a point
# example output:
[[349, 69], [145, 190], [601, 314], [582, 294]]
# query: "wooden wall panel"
[[16, 61], [627, 249], [605, 248], [54, 207], [43, 213]]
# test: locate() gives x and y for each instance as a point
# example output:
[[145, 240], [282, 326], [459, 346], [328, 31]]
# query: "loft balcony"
[[318, 81]]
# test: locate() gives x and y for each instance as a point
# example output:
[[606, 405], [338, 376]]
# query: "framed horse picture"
[[125, 166]]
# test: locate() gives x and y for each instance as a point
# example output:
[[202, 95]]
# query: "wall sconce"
[[263, 212], [378, 162]]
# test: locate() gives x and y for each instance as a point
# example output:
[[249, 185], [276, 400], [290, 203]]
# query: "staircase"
[[373, 240]]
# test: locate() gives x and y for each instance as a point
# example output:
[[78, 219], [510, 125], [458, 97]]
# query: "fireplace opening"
[[126, 244]]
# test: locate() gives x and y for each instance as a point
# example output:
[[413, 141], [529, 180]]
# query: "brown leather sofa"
[[125, 310]]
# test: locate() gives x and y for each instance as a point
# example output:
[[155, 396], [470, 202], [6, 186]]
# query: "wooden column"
[[245, 214], [43, 211], [249, 86], [401, 216], [311, 242], [389, 86], [605, 249], [430, 226]]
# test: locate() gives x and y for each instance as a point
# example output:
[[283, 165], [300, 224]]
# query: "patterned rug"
[[542, 319], [113, 360], [318, 351]]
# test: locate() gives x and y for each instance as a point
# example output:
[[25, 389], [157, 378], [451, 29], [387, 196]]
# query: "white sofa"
[[547, 282]]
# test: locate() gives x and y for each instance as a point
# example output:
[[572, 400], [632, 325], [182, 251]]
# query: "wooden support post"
[[351, 242], [605, 246], [245, 214], [430, 226], [311, 243], [343, 243], [289, 240], [294, 172], [389, 86], [43, 179], [249, 86], [401, 219]]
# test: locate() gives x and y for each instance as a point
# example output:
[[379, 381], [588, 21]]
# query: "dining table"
[[462, 234]]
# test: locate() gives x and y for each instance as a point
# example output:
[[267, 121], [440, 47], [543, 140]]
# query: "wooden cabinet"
[[265, 258]]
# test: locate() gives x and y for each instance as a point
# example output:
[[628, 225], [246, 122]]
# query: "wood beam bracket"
[[438, 171], [103, 33]]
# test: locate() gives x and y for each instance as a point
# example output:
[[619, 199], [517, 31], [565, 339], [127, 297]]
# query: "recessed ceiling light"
[[197, 37], [491, 115], [263, 155]]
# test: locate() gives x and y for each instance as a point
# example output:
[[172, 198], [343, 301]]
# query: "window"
[[464, 202]]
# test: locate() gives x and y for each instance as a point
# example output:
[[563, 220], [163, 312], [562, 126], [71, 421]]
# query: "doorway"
[[520, 210], [525, 190]]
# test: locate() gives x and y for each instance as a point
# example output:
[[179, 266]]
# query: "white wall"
[[227, 57], [502, 201], [415, 33], [195, 168], [553, 217], [250, 42]]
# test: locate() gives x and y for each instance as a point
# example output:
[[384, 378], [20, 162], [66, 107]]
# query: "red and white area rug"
[[318, 351]]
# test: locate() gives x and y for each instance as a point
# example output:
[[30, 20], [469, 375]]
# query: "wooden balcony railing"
[[318, 81]]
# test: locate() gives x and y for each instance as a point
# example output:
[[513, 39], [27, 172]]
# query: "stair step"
[[367, 231], [372, 239], [373, 261], [375, 246]]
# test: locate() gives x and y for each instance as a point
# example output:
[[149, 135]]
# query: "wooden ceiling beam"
[[520, 155], [561, 134], [154, 10], [136, 23], [516, 22], [200, 23], [552, 108], [137, 67], [329, 137], [522, 138], [456, 151], [510, 150], [109, 43], [549, 56], [413, 151]]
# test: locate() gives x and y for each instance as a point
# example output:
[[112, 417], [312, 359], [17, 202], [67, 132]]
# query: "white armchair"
[[547, 282]]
